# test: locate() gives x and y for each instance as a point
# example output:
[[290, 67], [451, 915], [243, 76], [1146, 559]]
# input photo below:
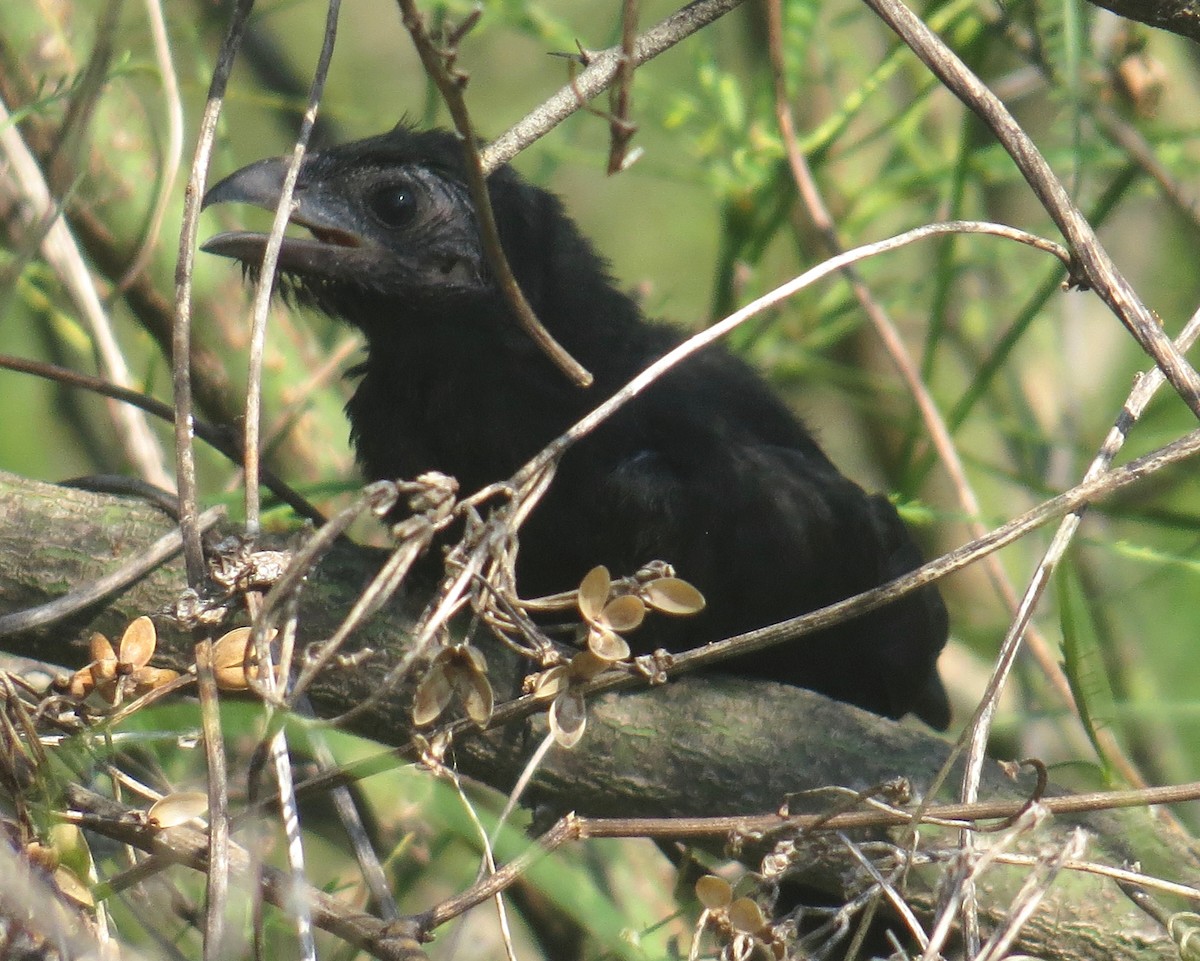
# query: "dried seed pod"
[[549, 683], [673, 595], [746, 916], [586, 665], [147, 679], [104, 659], [137, 644], [231, 653], [593, 592], [568, 718], [715, 893], [606, 645], [433, 694], [624, 613], [178, 808], [474, 688]]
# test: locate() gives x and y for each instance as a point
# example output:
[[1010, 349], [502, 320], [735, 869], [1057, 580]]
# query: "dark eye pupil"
[[394, 206]]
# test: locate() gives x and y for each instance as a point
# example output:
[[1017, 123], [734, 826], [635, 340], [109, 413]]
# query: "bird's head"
[[388, 218]]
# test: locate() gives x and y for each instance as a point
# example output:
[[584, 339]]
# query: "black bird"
[[707, 470]]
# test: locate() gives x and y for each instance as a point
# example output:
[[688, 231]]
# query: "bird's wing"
[[767, 533]]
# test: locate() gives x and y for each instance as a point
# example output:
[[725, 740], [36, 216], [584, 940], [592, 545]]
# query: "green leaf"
[[1083, 659]]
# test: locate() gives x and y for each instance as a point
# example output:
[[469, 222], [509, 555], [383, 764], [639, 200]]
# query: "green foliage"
[[1084, 662]]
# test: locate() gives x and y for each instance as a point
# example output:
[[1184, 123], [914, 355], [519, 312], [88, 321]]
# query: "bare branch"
[[602, 71], [262, 294], [1178, 16], [438, 65]]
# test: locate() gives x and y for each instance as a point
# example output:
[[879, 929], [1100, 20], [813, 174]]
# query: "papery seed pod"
[[568, 718], [178, 808], [624, 613], [673, 595], [593, 592]]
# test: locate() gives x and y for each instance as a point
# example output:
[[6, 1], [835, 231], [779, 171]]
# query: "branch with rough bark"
[[1178, 16], [700, 746]]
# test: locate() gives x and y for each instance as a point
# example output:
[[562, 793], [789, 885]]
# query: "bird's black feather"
[[707, 470]]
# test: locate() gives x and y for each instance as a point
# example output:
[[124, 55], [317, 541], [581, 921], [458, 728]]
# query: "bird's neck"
[[468, 397]]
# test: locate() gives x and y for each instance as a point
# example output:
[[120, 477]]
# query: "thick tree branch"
[[699, 746], [1178, 16]]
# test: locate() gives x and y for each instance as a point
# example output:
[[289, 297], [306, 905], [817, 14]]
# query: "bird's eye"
[[394, 205]]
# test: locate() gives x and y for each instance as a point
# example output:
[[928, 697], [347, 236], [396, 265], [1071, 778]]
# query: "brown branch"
[[938, 430], [438, 63], [266, 281], [221, 440], [621, 126], [572, 828], [1178, 16], [602, 71], [218, 846], [965, 815], [699, 746]]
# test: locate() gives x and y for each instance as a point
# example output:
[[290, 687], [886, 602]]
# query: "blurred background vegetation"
[[1029, 377]]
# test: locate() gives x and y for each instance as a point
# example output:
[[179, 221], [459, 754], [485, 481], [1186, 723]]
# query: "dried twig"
[[217, 889], [602, 71], [621, 126], [217, 438], [266, 280], [171, 153], [698, 342], [439, 65], [40, 214], [389, 941], [935, 424]]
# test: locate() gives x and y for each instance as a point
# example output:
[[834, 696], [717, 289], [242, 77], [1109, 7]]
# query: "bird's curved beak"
[[261, 185]]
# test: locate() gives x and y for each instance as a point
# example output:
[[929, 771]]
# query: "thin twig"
[[602, 71], [376, 880], [299, 911], [621, 126], [172, 153], [565, 829], [575, 828], [698, 342], [525, 706], [899, 905], [960, 885], [1032, 892], [217, 880], [1074, 499], [299, 397], [181, 335], [978, 731], [450, 83], [217, 782], [1141, 152], [38, 212], [266, 277], [936, 426], [389, 941], [217, 438]]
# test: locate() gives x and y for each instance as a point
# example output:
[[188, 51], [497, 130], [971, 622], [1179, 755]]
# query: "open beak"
[[261, 185]]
